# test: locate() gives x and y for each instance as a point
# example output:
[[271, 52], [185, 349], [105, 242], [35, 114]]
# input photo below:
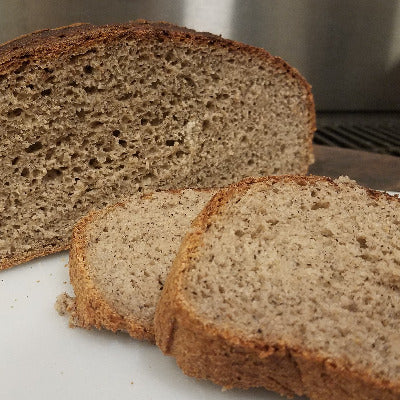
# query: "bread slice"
[[90, 114], [120, 257], [292, 284]]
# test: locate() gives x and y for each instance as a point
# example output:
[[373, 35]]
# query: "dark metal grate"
[[375, 138]]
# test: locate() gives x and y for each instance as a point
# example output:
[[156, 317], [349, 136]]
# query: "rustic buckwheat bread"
[[120, 257], [292, 284], [90, 114]]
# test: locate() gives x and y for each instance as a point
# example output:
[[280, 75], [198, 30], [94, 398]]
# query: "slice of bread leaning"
[[90, 114], [120, 257], [292, 284]]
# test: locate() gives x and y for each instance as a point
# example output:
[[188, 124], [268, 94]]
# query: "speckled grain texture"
[[291, 283], [90, 114], [120, 257]]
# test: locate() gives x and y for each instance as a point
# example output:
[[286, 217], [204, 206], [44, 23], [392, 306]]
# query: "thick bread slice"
[[90, 114], [293, 284], [120, 257]]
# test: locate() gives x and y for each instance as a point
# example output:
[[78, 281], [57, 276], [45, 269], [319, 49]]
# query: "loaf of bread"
[[292, 284], [120, 257], [90, 114]]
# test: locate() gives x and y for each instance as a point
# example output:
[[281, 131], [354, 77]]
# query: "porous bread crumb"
[[314, 267], [79, 131]]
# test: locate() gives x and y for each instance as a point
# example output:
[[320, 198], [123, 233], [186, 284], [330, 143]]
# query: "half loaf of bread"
[[89, 114], [292, 284], [120, 257]]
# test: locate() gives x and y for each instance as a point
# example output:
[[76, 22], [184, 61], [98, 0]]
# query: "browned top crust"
[[49, 44]]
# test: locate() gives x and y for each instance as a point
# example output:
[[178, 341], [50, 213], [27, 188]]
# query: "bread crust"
[[230, 359], [9, 262], [47, 45]]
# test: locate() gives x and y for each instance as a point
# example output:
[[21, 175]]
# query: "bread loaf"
[[120, 257], [292, 284], [90, 114]]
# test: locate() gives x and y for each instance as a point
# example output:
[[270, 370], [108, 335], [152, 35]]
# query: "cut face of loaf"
[[120, 257], [90, 114], [293, 284]]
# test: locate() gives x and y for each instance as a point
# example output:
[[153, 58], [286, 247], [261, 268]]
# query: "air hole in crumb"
[[122, 142], [80, 113], [209, 105], [49, 154], [94, 163], [125, 96], [96, 124], [239, 233], [34, 147], [14, 161], [45, 92], [326, 232], [15, 113], [90, 89], [362, 242], [155, 122], [144, 121], [272, 221], [25, 172], [52, 174], [116, 133], [170, 142], [320, 204], [88, 69]]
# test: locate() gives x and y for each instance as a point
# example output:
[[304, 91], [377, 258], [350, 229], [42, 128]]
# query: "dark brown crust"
[[232, 360], [91, 309], [9, 262], [52, 44]]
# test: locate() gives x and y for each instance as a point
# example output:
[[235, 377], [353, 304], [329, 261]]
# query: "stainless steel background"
[[348, 50]]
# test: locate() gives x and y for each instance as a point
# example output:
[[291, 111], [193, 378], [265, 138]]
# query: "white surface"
[[42, 358]]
